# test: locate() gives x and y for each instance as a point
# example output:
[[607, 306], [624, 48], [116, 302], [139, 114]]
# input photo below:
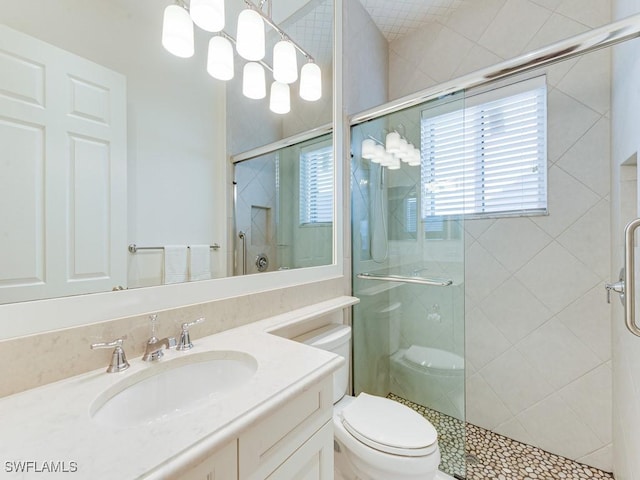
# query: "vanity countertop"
[[52, 423]]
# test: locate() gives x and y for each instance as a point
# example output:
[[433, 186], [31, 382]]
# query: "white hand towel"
[[175, 264], [199, 262]]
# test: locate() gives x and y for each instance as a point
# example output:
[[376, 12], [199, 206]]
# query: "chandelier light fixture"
[[209, 15], [395, 150], [177, 31]]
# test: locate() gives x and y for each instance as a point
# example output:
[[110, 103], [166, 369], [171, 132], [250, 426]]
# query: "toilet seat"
[[389, 426]]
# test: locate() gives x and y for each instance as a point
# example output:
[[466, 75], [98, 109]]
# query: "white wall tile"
[[588, 160], [483, 341], [550, 4], [477, 58], [557, 277], [557, 354], [512, 428], [589, 82], [567, 121], [514, 27], [514, 241], [483, 273], [477, 227], [589, 318], [514, 310], [436, 57], [472, 19], [568, 200], [406, 77], [590, 397], [589, 239], [590, 12], [515, 381], [484, 408], [601, 458], [555, 427]]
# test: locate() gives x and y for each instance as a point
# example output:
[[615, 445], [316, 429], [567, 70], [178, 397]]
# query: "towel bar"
[[133, 248]]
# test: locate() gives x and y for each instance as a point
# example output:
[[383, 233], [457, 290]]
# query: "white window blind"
[[488, 158], [316, 184]]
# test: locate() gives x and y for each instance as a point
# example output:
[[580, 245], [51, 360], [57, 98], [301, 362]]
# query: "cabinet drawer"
[[222, 465], [312, 461], [264, 447]]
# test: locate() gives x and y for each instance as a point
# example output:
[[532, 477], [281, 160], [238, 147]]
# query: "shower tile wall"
[[537, 326], [625, 117], [256, 210]]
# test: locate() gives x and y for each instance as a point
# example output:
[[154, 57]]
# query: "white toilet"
[[376, 438]]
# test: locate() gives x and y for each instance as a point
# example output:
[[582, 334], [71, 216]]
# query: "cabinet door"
[[222, 465], [267, 444], [312, 461], [63, 177]]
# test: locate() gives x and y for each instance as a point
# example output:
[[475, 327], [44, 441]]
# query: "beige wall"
[[537, 326]]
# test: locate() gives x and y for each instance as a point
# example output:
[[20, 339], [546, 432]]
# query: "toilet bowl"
[[431, 377], [375, 438]]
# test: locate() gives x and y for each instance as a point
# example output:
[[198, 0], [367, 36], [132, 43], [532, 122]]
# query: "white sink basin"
[[170, 388]]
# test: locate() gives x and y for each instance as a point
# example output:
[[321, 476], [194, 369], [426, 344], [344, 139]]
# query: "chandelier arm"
[[273, 25]]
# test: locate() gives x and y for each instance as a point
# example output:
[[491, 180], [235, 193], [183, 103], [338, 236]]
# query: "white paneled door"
[[62, 172]]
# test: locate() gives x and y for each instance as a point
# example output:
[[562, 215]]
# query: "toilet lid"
[[389, 426]]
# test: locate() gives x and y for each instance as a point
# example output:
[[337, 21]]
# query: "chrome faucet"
[[185, 339], [155, 347], [118, 358]]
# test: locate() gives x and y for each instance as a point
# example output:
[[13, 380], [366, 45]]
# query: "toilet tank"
[[334, 338]]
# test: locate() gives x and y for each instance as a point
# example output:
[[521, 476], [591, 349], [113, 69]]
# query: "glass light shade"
[[285, 62], [220, 58], [250, 41], [407, 155], [404, 147], [177, 31], [280, 101], [387, 159], [379, 154], [414, 158], [395, 163], [253, 81], [310, 82], [392, 143], [208, 14], [368, 150]]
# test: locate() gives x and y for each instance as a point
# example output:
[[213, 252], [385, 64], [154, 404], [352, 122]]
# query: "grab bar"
[[242, 236], [629, 277], [404, 279]]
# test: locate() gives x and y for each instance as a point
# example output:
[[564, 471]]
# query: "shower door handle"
[[629, 277], [243, 237]]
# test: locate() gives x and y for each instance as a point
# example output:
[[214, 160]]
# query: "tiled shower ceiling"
[[397, 18]]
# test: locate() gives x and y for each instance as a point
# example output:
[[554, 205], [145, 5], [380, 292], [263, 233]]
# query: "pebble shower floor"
[[494, 457]]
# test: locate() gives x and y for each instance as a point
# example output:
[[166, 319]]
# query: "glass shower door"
[[408, 267]]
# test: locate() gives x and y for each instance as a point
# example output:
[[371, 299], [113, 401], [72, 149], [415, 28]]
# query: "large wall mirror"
[[117, 152]]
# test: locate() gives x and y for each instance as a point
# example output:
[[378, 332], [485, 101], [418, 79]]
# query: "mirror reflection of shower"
[[379, 235], [388, 155], [283, 205]]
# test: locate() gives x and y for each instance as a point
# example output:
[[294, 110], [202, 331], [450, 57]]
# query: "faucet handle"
[[185, 340], [118, 358]]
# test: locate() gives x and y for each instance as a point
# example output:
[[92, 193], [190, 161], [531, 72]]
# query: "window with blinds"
[[488, 158], [316, 184]]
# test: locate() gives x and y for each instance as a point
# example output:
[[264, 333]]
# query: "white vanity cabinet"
[[222, 465], [295, 442]]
